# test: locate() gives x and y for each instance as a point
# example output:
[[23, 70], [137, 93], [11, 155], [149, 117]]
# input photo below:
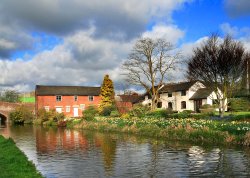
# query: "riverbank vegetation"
[[13, 162], [184, 126]]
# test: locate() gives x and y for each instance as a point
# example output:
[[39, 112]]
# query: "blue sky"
[[78, 42]]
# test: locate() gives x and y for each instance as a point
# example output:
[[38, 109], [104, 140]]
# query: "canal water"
[[59, 152]]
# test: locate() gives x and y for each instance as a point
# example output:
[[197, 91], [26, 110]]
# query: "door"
[[76, 112], [197, 105]]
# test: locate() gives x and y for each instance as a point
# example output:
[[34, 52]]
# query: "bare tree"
[[219, 63], [148, 64]]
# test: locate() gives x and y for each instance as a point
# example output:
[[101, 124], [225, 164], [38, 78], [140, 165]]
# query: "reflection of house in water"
[[49, 140]]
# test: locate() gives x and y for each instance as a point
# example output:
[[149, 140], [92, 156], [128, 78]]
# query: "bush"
[[207, 109], [51, 116], [90, 113], [239, 104], [106, 111], [159, 113], [114, 114], [139, 111], [20, 115]]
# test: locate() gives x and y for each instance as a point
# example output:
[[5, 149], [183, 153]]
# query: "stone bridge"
[[6, 108]]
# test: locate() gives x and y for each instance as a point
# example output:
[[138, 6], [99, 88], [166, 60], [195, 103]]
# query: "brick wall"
[[67, 101]]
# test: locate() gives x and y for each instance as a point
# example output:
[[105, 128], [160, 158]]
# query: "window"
[[46, 108], [183, 93], [58, 98], [59, 109], [169, 94], [82, 106], [183, 105], [67, 108], [170, 105], [75, 98], [91, 98], [159, 105]]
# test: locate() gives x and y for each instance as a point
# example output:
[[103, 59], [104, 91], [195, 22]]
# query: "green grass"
[[13, 162], [28, 99]]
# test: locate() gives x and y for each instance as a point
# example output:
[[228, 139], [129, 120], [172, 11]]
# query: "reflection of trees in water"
[[108, 147]]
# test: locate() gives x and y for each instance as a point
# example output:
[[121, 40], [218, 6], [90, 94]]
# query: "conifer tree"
[[107, 93]]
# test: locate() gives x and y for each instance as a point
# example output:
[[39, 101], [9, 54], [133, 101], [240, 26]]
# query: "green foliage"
[[49, 116], [159, 113], [20, 115], [139, 111], [90, 112], [239, 104], [11, 96], [106, 111], [207, 109], [14, 163], [107, 93], [114, 113]]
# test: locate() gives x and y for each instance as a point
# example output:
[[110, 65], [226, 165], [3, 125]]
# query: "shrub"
[[20, 115], [139, 111], [239, 104], [159, 113], [207, 109], [51, 116], [43, 115], [114, 114], [90, 113], [106, 111]]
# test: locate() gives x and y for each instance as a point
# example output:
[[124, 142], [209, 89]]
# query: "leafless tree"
[[148, 64], [219, 63]]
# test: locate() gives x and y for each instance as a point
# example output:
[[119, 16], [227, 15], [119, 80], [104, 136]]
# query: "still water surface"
[[59, 152]]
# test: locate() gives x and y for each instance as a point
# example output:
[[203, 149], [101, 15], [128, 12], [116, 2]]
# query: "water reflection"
[[70, 153]]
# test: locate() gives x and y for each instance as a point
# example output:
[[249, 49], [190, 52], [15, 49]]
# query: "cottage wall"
[[67, 101]]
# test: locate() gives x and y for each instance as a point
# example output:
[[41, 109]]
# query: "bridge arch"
[[3, 119]]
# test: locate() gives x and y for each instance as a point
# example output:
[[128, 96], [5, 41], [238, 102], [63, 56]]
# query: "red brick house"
[[70, 100]]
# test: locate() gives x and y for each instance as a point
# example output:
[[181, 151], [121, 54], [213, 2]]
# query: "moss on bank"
[[13, 162], [196, 131]]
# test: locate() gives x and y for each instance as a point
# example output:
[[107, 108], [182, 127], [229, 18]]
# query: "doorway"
[[197, 105], [76, 112]]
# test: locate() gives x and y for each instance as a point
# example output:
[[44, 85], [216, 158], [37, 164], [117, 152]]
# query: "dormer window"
[[183, 93]]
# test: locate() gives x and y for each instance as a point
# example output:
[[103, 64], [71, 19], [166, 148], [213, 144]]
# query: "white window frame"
[[67, 109], [46, 108], [57, 98]]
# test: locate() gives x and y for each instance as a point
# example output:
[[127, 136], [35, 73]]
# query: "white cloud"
[[170, 33]]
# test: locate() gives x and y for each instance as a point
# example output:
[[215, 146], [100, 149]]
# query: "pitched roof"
[[202, 93], [172, 87], [43, 90]]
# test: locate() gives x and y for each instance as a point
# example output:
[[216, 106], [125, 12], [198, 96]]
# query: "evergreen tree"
[[107, 93]]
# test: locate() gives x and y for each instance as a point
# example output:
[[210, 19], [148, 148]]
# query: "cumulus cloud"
[[170, 33], [237, 8], [95, 38], [127, 18], [79, 60]]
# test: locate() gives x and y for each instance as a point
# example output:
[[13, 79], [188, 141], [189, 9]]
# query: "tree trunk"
[[222, 108], [153, 104]]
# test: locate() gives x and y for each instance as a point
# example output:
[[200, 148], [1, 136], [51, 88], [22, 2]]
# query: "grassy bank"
[[13, 162], [193, 130]]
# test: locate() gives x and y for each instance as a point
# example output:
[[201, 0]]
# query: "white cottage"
[[184, 96]]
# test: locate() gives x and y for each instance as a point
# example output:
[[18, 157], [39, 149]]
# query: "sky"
[[77, 42]]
